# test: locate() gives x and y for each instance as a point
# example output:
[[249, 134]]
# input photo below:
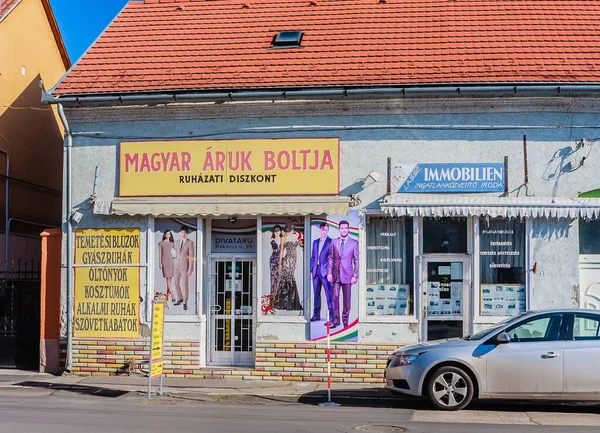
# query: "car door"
[[582, 354], [531, 364]]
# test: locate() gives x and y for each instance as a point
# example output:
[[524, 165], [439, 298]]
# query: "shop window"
[[444, 235], [589, 236], [502, 266], [390, 288]]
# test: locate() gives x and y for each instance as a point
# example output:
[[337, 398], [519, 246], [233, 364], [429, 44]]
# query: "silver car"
[[544, 355]]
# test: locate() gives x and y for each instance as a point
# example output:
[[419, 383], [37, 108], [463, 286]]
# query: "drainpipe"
[[69, 206], [6, 203]]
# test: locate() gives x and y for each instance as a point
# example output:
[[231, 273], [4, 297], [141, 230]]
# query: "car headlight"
[[400, 360]]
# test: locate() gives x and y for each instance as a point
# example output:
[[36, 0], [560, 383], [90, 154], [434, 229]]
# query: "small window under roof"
[[288, 38]]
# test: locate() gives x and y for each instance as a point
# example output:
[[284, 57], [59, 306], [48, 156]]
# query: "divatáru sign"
[[458, 178], [230, 167], [107, 289]]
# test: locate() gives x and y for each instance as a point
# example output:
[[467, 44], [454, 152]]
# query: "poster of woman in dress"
[[334, 275], [283, 242], [166, 260], [274, 259], [175, 264]]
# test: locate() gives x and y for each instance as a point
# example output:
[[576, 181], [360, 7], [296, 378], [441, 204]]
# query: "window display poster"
[[175, 265], [502, 299], [433, 296], [387, 300], [283, 244], [444, 288], [334, 266]]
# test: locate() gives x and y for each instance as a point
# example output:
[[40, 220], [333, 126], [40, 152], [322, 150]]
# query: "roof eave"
[[258, 94]]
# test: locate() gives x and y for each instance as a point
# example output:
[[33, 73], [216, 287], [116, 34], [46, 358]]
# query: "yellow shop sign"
[[299, 166], [107, 286]]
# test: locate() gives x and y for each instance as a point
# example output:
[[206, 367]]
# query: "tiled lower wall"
[[350, 362]]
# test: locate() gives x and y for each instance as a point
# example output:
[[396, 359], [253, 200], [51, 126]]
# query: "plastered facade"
[[370, 131]]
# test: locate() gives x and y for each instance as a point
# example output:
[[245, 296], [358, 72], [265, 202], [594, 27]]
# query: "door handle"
[[550, 355]]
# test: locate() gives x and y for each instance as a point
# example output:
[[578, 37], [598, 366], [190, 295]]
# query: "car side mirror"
[[502, 338]]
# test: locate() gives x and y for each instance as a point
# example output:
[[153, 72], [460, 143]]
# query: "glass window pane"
[[586, 328], [538, 329], [389, 266], [444, 235], [589, 237], [502, 266]]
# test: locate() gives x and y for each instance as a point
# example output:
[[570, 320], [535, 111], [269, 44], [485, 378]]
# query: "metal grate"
[[233, 283], [20, 315]]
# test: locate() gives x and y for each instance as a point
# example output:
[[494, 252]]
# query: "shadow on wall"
[[31, 135], [564, 161], [356, 189], [551, 228]]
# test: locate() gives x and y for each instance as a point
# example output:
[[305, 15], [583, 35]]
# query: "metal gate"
[[20, 317], [232, 312]]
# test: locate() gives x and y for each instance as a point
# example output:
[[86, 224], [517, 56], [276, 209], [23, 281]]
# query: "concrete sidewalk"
[[19, 382]]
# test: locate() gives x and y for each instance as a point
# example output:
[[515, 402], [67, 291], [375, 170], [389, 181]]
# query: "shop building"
[[236, 193]]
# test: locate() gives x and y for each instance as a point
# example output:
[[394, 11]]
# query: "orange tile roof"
[[6, 6], [170, 45]]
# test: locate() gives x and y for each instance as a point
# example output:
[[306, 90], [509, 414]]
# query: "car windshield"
[[489, 331]]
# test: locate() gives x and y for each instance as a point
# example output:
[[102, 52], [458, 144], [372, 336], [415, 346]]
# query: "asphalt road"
[[72, 412]]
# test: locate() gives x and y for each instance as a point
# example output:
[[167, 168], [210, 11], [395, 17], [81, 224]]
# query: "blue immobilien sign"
[[458, 178]]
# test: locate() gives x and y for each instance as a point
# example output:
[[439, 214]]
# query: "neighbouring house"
[[408, 170], [32, 55]]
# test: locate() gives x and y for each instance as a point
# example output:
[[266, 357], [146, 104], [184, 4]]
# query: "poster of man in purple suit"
[[319, 262], [334, 274]]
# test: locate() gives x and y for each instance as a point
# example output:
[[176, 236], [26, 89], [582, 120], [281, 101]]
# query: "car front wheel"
[[450, 388]]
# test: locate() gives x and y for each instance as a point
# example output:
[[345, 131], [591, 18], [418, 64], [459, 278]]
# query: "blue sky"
[[82, 21]]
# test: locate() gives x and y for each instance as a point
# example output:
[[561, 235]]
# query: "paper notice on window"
[[456, 289], [456, 271], [434, 307], [457, 307], [446, 307], [434, 289], [444, 270], [510, 293]]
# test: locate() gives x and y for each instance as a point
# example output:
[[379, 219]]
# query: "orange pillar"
[[50, 301]]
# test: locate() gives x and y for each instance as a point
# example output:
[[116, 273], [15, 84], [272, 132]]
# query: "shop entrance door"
[[445, 296], [231, 326]]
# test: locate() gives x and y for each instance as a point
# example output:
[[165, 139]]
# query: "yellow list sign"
[[296, 166], [157, 368], [107, 290], [158, 320]]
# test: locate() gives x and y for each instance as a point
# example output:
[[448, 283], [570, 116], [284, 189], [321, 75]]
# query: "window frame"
[[409, 265], [478, 318]]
